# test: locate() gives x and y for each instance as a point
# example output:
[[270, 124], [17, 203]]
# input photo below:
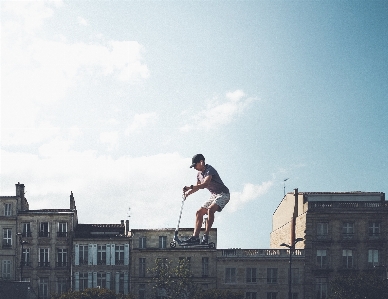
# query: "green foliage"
[[178, 282], [174, 282], [92, 294], [362, 286]]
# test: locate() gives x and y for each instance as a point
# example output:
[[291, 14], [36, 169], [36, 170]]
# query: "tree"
[[178, 282], [173, 282], [362, 286], [92, 294]]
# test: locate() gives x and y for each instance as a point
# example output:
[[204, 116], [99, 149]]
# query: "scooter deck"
[[211, 245]]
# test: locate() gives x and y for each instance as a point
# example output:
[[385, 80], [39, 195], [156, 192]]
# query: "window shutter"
[[126, 254], [107, 254], [117, 282], [94, 279], [76, 258], [76, 281], [112, 254], [90, 254], [90, 280], [94, 254], [108, 280], [125, 283]]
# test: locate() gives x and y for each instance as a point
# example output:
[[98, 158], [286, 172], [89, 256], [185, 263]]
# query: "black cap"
[[196, 159]]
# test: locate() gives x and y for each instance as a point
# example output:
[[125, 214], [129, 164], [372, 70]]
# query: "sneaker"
[[192, 240], [204, 240]]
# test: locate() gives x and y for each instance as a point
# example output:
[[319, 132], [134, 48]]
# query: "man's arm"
[[188, 190]]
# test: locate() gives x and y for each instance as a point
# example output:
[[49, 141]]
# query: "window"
[[348, 230], [294, 295], [26, 230], [43, 288], [272, 275], [250, 295], [373, 257], [101, 254], [83, 281], [141, 291], [61, 285], [142, 267], [120, 282], [44, 257], [6, 269], [322, 230], [251, 276], [230, 275], [322, 258], [44, 229], [101, 280], [61, 257], [83, 254], [7, 209], [272, 295], [162, 242], [347, 258], [119, 254], [7, 238], [205, 267], [321, 288], [62, 230], [374, 229], [26, 257], [142, 242]]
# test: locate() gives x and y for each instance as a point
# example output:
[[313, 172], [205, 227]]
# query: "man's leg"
[[210, 212], [198, 221]]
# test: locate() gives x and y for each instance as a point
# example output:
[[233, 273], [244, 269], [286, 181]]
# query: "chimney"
[[122, 222], [72, 201], [126, 227], [20, 190]]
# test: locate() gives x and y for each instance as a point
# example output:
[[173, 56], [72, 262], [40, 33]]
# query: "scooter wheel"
[[173, 244], [212, 245]]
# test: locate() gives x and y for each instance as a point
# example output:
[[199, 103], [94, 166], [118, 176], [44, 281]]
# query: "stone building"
[[327, 234], [37, 244], [101, 257], [148, 245], [343, 232]]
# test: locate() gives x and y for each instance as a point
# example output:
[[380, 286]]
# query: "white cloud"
[[38, 72], [141, 121], [110, 138], [218, 113], [82, 21], [250, 192]]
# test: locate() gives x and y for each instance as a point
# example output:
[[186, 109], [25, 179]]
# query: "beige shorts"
[[219, 199]]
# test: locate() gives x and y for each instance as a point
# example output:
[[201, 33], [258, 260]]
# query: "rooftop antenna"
[[284, 186]]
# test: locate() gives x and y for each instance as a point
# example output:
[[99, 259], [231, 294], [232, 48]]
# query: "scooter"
[[182, 243]]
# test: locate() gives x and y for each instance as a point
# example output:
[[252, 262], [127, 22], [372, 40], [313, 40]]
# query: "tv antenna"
[[284, 186]]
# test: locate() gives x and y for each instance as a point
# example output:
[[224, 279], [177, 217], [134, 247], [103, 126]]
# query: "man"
[[207, 177]]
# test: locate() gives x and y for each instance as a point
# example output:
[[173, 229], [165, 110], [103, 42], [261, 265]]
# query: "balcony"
[[62, 234], [7, 245], [61, 264], [43, 264], [43, 234]]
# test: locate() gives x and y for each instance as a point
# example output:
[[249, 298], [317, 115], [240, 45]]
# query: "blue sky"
[[111, 99]]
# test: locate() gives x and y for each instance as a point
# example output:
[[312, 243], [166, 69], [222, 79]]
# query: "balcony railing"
[[62, 234], [44, 264], [7, 245], [44, 234], [264, 253], [346, 205], [26, 234], [61, 264]]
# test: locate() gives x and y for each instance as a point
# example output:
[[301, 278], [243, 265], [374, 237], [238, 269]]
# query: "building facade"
[[343, 232], [334, 233], [101, 257]]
